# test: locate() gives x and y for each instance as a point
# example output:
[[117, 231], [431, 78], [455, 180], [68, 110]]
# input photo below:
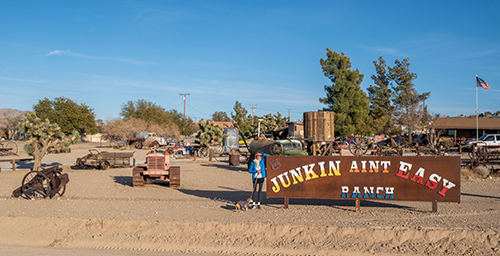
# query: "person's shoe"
[[258, 206]]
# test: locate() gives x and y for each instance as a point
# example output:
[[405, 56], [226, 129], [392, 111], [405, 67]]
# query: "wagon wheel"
[[104, 165], [358, 146], [482, 153], [60, 192], [203, 152], [35, 185], [472, 156], [13, 147]]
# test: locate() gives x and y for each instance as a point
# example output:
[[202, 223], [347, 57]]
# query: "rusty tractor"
[[156, 168]]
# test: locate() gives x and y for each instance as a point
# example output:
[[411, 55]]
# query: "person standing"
[[258, 170]]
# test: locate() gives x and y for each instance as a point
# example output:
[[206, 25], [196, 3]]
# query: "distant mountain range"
[[8, 112]]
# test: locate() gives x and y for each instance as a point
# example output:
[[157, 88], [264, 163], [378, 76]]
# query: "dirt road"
[[101, 211]]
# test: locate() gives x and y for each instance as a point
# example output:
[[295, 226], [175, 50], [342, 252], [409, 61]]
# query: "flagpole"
[[477, 129]]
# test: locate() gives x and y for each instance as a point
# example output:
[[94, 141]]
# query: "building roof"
[[458, 123], [221, 124], [224, 124]]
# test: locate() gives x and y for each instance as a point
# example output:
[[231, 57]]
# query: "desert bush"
[[118, 129]]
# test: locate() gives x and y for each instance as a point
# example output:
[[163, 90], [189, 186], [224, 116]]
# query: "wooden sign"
[[404, 178]]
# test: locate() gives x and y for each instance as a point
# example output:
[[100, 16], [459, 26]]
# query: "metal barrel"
[[142, 135], [265, 146], [230, 141]]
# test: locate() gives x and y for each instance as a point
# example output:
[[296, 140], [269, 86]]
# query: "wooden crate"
[[319, 126]]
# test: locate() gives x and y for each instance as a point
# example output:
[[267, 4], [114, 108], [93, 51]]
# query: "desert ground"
[[102, 214]]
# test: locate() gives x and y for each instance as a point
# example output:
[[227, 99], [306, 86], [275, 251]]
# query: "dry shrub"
[[125, 130], [166, 131], [468, 174]]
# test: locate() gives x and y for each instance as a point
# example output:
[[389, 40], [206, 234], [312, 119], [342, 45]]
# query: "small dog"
[[243, 205]]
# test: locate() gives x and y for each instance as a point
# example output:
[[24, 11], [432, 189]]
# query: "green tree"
[[147, 111], [408, 103], [67, 114], [43, 136], [186, 127], [241, 119], [220, 116], [380, 100], [344, 96]]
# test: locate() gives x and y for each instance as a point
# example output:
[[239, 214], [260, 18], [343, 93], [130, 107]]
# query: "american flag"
[[481, 83]]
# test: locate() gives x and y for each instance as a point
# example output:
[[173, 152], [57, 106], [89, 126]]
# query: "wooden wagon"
[[104, 160]]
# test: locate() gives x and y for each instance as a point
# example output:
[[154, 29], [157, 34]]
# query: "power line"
[[199, 111]]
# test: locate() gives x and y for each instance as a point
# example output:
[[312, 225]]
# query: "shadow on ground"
[[127, 181], [233, 196], [226, 166]]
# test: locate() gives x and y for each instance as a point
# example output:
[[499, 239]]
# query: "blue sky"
[[105, 53]]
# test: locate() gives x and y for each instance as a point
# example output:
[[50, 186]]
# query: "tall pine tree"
[[344, 96], [380, 100], [408, 103]]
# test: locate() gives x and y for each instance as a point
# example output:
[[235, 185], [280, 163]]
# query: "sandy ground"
[[102, 214]]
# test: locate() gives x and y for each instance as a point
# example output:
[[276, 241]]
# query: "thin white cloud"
[[24, 80], [386, 50], [85, 56], [69, 53], [159, 14]]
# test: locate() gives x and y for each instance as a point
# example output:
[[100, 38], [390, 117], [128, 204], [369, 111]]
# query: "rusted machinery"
[[9, 148], [157, 169], [104, 160], [482, 156], [48, 182]]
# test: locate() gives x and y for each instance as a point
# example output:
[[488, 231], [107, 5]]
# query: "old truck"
[[157, 168], [147, 139]]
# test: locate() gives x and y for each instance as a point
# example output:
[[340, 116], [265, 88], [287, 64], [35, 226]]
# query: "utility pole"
[[289, 114], [253, 110], [184, 98]]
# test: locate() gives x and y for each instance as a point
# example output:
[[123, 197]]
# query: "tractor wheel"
[[155, 145], [138, 145], [104, 165], [35, 185], [137, 178]]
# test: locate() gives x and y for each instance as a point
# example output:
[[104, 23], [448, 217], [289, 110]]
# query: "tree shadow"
[[494, 197], [226, 166], [29, 164], [79, 167], [232, 196]]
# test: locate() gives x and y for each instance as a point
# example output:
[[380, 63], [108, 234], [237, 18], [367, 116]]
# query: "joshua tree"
[[43, 137]]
